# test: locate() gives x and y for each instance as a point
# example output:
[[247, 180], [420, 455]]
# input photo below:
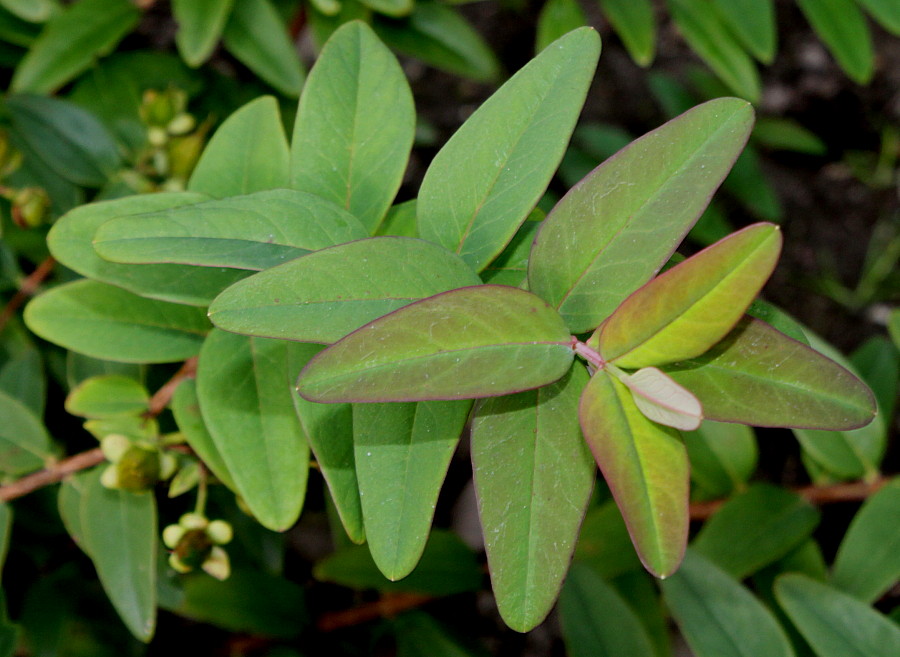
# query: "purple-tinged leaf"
[[685, 311], [759, 376], [479, 341], [662, 400], [646, 467]]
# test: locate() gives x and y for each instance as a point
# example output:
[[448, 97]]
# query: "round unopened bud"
[[181, 124], [138, 469], [220, 532]]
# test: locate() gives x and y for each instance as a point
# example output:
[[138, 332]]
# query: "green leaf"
[[325, 295], [723, 457], [25, 445], [447, 567], [604, 240], [710, 39], [557, 18], [68, 502], [68, 139], [71, 41], [71, 242], [633, 21], [244, 390], [885, 12], [419, 635], [604, 543], [400, 220], [511, 266], [120, 529], [256, 35], [842, 26], [108, 396], [749, 185], [533, 478], [834, 623], [878, 363], [483, 183], [480, 341], [186, 409], [718, 616], [354, 126], [109, 323], [252, 232], [755, 528], [23, 377], [662, 400], [439, 36], [393, 8], [867, 565], [200, 25], [686, 310], [402, 452], [596, 621], [6, 518], [248, 153], [753, 23], [33, 11], [758, 376], [646, 467], [787, 135]]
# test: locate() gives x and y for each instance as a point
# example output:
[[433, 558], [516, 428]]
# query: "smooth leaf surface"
[[753, 23], [23, 377], [402, 452], [6, 517], [604, 544], [68, 502], [105, 396], [759, 376], [533, 478], [70, 42], [25, 445], [342, 289], [635, 24], [256, 35], [253, 232], [718, 616], [34, 11], [687, 309], [70, 241], [244, 390], [886, 12], [419, 635], [354, 126], [479, 341], [749, 184], [723, 457], [834, 623], [645, 465], [596, 621], [511, 266], [483, 183], [662, 400], [605, 239], [248, 153], [868, 561], [393, 8], [109, 323], [877, 361], [755, 528], [200, 25], [557, 17], [120, 529], [842, 27]]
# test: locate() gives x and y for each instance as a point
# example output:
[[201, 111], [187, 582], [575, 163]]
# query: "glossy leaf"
[[244, 389], [842, 27], [483, 183], [120, 529], [604, 544], [662, 400], [686, 310], [25, 445], [70, 241], [834, 623], [447, 567], [253, 232], [477, 341], [439, 36], [533, 477], [105, 396], [758, 376], [596, 621], [646, 467], [585, 260], [248, 153], [200, 25], [557, 17], [635, 24], [342, 289], [106, 322], [71, 41], [256, 35], [753, 23], [402, 452], [885, 12], [354, 126], [718, 616], [186, 409], [755, 528], [868, 561], [723, 457], [711, 40]]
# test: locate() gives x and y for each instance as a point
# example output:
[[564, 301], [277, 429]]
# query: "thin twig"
[[27, 289], [163, 396], [387, 606]]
